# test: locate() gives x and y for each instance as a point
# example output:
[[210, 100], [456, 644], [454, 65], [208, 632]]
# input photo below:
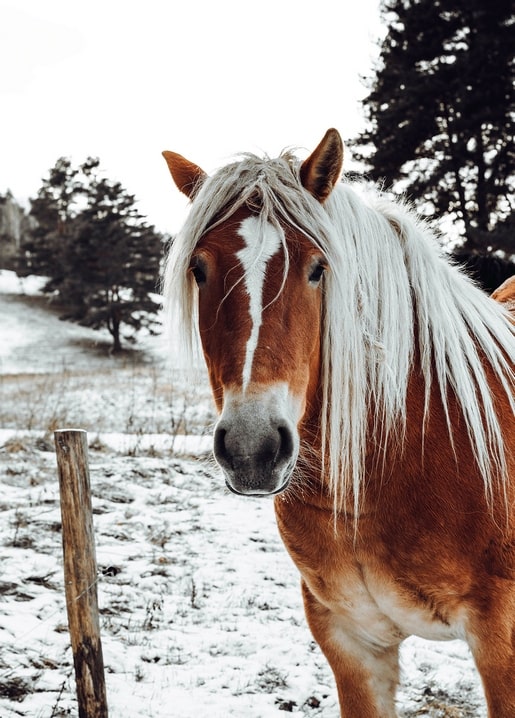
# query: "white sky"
[[123, 80]]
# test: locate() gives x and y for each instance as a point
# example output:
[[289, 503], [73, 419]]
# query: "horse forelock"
[[388, 295]]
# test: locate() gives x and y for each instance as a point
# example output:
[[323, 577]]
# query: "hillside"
[[200, 606], [36, 340], [57, 373]]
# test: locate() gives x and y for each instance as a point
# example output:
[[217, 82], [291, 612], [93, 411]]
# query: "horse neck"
[[405, 444]]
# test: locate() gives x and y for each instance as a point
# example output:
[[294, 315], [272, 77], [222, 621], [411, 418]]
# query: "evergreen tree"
[[114, 262], [53, 211], [99, 253], [440, 115], [14, 226]]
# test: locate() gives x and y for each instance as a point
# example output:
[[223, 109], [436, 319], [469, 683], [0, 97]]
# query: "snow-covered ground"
[[200, 606]]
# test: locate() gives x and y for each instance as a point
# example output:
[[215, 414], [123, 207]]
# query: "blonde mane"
[[387, 280]]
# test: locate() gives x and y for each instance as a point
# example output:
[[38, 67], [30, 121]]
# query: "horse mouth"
[[252, 477], [254, 492]]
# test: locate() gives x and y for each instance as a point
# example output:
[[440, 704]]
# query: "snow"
[[200, 606]]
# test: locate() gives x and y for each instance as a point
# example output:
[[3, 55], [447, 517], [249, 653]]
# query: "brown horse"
[[368, 384]]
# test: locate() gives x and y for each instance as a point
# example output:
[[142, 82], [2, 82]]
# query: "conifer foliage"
[[97, 250], [440, 114]]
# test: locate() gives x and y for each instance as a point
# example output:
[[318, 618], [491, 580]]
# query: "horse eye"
[[198, 272], [316, 273]]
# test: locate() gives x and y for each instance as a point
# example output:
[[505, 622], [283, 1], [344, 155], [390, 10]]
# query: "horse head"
[[260, 284]]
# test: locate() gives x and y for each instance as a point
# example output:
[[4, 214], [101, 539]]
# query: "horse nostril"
[[274, 448], [286, 445], [219, 447]]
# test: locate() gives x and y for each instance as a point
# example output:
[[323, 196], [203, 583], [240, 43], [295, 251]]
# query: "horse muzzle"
[[256, 443]]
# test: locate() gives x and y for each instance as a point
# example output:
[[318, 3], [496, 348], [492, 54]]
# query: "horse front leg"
[[493, 647], [366, 674]]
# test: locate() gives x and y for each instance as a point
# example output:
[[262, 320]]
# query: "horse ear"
[[322, 169], [187, 175]]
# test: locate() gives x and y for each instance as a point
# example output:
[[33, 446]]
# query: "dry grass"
[[137, 398]]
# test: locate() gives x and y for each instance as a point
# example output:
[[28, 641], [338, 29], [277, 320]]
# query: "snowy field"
[[200, 606]]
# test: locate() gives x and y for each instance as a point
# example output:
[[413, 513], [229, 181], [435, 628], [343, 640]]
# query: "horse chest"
[[361, 592]]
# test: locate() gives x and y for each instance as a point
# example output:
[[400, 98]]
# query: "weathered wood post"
[[80, 571]]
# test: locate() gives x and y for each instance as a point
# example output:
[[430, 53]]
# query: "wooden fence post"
[[80, 571]]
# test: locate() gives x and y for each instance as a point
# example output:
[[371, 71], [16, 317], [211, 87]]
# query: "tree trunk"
[[482, 199], [115, 333], [455, 154]]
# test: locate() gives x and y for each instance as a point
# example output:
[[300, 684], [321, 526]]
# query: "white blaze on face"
[[260, 247]]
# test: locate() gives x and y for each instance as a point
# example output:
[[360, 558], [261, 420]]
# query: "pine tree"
[[99, 253], [114, 262], [14, 227], [440, 115], [53, 211]]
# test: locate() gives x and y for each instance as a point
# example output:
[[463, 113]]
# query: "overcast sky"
[[123, 80]]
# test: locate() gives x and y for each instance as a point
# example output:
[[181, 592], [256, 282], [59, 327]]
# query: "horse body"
[[409, 527], [432, 562]]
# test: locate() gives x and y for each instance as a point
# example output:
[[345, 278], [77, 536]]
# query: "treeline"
[[440, 129], [85, 234]]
